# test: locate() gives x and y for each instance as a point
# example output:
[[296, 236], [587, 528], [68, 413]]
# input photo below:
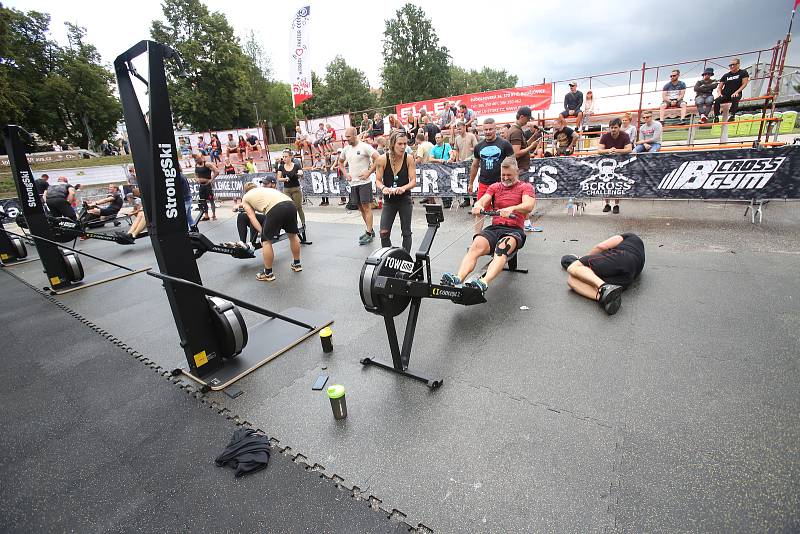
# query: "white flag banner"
[[301, 66]]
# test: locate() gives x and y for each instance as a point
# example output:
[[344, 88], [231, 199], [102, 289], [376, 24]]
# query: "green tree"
[[26, 56], [77, 97], [215, 93], [464, 81], [57, 93], [345, 89], [415, 65]]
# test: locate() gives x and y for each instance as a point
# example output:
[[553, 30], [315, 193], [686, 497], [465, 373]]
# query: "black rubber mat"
[[95, 440]]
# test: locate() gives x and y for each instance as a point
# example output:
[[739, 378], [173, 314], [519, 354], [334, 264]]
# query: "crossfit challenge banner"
[[536, 97], [721, 174]]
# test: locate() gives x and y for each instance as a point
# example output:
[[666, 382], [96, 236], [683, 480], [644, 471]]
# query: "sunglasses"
[[673, 75], [733, 64]]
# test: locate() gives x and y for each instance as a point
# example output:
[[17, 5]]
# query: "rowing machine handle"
[[496, 213]]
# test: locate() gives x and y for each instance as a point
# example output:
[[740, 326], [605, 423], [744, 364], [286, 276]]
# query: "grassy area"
[[7, 185]]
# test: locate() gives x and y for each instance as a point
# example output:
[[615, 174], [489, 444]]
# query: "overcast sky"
[[534, 40]]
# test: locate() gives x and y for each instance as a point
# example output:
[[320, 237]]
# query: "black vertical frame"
[[33, 210], [158, 174]]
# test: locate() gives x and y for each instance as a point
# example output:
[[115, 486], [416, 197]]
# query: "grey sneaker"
[[366, 238]]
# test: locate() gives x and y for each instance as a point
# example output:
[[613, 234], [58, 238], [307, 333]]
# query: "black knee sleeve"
[[503, 247]]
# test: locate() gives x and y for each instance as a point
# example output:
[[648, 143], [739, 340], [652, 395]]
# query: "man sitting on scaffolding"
[[514, 200]]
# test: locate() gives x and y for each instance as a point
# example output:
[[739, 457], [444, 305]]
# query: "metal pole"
[[256, 108], [639, 113]]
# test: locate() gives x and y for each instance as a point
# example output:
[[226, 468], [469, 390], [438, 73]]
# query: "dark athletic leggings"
[[243, 223], [388, 213]]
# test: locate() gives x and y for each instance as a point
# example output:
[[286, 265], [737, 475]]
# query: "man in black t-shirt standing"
[[604, 273], [488, 155], [730, 88], [41, 184]]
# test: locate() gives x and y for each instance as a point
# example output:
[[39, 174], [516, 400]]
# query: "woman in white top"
[[588, 110], [629, 128]]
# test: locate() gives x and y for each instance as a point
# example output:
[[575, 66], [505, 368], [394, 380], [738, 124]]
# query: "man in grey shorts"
[[359, 157]]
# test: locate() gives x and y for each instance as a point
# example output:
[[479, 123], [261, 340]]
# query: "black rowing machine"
[[391, 280]]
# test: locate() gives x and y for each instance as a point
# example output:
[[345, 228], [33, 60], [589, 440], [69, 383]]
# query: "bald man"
[[355, 161]]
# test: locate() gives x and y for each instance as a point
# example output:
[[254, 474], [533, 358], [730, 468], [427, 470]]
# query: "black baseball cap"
[[709, 70], [524, 111], [269, 180]]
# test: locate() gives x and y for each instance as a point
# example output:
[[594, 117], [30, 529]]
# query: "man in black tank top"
[[607, 270], [204, 173], [59, 198]]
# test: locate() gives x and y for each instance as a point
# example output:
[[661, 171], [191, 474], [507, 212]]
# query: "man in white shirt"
[[359, 157]]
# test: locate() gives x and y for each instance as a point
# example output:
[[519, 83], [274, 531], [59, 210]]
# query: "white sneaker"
[[528, 226]]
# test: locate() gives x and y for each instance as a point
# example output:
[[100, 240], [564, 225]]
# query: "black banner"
[[711, 174]]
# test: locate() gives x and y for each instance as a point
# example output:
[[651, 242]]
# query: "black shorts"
[[620, 265], [566, 114], [494, 232], [282, 216], [205, 192], [60, 206], [361, 194], [109, 211]]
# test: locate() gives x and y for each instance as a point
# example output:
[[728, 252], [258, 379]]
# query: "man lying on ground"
[[605, 272], [515, 200]]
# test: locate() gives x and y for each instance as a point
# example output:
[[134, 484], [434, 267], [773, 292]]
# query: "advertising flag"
[[301, 66]]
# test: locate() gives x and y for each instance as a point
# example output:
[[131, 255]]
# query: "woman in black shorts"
[[609, 268], [395, 177]]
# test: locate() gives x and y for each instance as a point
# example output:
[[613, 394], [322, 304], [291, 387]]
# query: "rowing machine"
[[391, 281]]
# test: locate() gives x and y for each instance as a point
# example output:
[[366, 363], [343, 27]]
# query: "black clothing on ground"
[[282, 216], [621, 264], [247, 452]]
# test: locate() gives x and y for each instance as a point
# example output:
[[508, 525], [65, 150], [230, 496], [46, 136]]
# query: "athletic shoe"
[[568, 260], [464, 203], [263, 276], [610, 298], [616, 209], [478, 283], [451, 280], [124, 238], [703, 119], [528, 225], [366, 238], [606, 208], [296, 267]]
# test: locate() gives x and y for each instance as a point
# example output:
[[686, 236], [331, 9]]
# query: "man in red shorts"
[[488, 154], [605, 272], [506, 235]]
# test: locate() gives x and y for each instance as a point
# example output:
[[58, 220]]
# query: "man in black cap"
[[704, 94], [572, 104], [604, 273]]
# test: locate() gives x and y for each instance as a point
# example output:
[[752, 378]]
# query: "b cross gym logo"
[[751, 173], [607, 182]]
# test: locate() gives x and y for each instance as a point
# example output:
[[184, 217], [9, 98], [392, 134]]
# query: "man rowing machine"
[[513, 201]]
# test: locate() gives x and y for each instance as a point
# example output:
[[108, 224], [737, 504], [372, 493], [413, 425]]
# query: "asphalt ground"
[[680, 413]]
